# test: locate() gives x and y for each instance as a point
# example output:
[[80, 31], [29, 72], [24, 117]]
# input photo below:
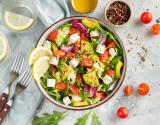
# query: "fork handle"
[[5, 111], [3, 98]]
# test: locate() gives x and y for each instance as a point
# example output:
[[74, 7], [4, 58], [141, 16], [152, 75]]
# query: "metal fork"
[[23, 81], [16, 69]]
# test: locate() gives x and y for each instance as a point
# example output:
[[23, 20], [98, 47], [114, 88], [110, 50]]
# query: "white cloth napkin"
[[25, 105]]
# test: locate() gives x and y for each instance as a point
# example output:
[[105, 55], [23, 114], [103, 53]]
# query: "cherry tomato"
[[61, 86], [146, 17], [104, 57], [79, 78], [122, 112], [155, 30], [53, 35], [59, 54], [100, 95], [110, 72], [87, 63], [110, 44], [74, 89], [128, 90], [76, 46], [74, 30], [83, 37], [70, 55], [143, 89]]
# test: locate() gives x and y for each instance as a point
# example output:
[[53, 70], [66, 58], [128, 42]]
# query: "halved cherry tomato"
[[53, 35], [146, 17], [122, 112], [128, 90], [79, 78], [70, 55], [110, 72], [74, 30], [74, 89], [83, 37], [61, 86], [110, 44], [100, 95], [59, 54], [143, 89], [155, 30], [87, 63], [104, 57], [76, 46]]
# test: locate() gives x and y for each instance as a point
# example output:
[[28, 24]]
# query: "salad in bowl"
[[78, 63]]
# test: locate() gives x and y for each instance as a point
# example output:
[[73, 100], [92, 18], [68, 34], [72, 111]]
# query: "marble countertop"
[[143, 56]]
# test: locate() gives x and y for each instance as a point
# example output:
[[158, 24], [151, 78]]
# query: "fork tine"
[[22, 82], [14, 62], [20, 64], [28, 79], [17, 64], [21, 77]]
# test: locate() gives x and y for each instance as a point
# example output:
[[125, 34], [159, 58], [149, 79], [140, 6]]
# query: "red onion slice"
[[67, 48]]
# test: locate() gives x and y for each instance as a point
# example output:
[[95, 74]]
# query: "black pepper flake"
[[118, 13]]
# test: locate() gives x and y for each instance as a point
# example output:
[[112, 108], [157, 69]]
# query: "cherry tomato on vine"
[[128, 90], [146, 17], [155, 30], [143, 89], [122, 112]]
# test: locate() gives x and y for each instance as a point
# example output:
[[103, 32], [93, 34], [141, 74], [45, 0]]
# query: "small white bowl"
[[107, 6]]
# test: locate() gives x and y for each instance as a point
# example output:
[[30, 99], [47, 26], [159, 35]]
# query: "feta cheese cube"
[[107, 79], [72, 76], [66, 100], [47, 44], [100, 49], [76, 99], [96, 65], [54, 61], [94, 33], [74, 63], [51, 82], [73, 38], [112, 52]]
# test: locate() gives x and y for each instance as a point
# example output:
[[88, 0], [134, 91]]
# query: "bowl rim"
[[119, 81], [107, 6]]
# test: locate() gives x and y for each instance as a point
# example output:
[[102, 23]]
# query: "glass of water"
[[19, 15]]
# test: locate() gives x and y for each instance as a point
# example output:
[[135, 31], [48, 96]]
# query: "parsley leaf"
[[95, 119], [48, 119]]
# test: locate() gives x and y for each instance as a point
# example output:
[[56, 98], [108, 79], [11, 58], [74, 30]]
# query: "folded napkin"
[[25, 105], [52, 10]]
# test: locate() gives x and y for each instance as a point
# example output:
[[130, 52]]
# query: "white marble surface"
[[139, 44]]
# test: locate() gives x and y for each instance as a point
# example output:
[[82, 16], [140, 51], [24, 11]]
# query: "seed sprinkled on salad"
[[87, 59]]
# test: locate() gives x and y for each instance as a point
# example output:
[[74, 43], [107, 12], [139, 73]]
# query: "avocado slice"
[[65, 70], [118, 69], [90, 23], [91, 79], [54, 46], [87, 48]]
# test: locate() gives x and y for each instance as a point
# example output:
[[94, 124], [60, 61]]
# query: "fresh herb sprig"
[[56, 117], [48, 119], [82, 121]]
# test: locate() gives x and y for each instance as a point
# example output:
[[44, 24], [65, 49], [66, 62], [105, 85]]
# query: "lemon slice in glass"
[[39, 52], [40, 67], [3, 48], [17, 22]]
